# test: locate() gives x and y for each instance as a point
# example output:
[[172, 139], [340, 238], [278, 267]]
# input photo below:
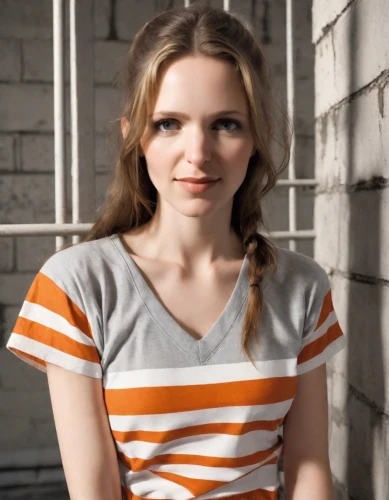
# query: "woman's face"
[[199, 128]]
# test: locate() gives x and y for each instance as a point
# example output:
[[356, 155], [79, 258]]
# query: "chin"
[[199, 208]]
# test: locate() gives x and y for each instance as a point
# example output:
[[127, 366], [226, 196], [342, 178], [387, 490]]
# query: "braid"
[[261, 257]]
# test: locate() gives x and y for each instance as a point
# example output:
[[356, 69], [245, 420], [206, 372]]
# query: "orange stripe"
[[57, 340], [26, 355], [326, 309], [317, 346], [196, 430], [254, 495], [139, 464], [203, 486], [152, 400], [196, 486], [250, 495], [48, 294]]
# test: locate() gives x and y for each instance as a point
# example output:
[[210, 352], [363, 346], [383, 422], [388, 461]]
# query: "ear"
[[253, 151], [124, 128]]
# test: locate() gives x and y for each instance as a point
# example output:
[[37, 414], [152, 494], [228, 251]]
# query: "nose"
[[197, 146]]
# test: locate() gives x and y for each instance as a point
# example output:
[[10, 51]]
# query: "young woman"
[[177, 339]]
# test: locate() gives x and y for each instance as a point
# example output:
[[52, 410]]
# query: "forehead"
[[199, 83]]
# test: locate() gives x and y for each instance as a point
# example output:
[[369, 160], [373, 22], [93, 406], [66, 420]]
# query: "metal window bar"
[[82, 131], [290, 100], [82, 111], [59, 115]]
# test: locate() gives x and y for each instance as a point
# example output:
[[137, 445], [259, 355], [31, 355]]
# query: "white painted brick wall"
[[353, 53], [358, 132], [356, 226], [324, 13], [351, 208]]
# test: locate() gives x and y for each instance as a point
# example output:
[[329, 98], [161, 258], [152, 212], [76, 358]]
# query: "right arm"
[[86, 444]]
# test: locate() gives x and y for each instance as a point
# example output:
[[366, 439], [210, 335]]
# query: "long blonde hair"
[[131, 197]]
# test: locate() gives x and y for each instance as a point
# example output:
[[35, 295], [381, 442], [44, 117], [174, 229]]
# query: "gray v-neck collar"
[[199, 349]]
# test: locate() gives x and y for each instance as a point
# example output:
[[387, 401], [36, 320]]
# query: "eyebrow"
[[183, 115]]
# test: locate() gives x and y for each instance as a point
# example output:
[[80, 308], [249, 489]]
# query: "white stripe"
[[171, 421], [324, 356], [264, 477], [200, 375], [145, 484], [41, 315], [206, 445], [51, 355], [224, 474], [331, 320]]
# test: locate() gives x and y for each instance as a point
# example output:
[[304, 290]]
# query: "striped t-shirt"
[[190, 418]]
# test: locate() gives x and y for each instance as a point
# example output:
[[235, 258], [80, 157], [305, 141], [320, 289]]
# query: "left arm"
[[306, 460]]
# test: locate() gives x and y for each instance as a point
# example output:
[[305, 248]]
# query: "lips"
[[195, 180]]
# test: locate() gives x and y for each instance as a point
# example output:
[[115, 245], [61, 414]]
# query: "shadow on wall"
[[365, 370]]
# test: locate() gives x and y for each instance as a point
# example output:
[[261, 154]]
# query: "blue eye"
[[222, 121], [233, 122], [158, 124]]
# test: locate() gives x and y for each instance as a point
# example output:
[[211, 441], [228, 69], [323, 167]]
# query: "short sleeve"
[[52, 326], [322, 336]]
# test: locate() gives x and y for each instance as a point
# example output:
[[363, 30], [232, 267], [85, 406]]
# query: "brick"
[[351, 229], [101, 11], [9, 316], [14, 288], [10, 68], [26, 198], [324, 13], [107, 109], [338, 438], [38, 401], [16, 375], [105, 153], [38, 152], [32, 421], [364, 318], [131, 15], [38, 60], [109, 58], [345, 62], [26, 107], [32, 252], [102, 182], [25, 19], [359, 453], [352, 141], [6, 254], [7, 152]]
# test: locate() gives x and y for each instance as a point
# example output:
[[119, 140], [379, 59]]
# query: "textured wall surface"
[[351, 217], [27, 434]]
